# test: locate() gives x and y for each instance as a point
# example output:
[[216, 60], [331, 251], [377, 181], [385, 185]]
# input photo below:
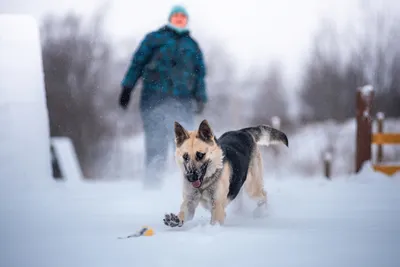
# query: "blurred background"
[[299, 61]]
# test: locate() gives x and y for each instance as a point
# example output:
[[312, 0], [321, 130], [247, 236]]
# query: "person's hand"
[[200, 107], [125, 97]]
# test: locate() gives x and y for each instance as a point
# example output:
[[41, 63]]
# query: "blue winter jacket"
[[170, 64]]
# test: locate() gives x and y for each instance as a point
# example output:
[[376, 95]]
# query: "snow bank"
[[345, 222], [24, 130]]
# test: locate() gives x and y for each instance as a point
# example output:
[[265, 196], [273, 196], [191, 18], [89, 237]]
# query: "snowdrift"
[[346, 222], [24, 129]]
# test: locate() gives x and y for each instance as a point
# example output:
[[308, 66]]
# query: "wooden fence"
[[366, 138]]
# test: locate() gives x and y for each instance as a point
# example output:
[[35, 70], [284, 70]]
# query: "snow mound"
[[347, 222], [24, 134]]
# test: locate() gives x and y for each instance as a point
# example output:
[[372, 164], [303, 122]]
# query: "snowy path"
[[310, 223]]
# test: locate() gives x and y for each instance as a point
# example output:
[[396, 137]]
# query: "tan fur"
[[254, 184], [193, 145], [221, 201], [189, 204], [182, 212], [213, 192]]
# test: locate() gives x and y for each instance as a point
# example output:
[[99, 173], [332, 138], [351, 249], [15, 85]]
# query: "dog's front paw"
[[172, 220]]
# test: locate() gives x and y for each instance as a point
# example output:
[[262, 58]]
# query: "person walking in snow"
[[171, 65]]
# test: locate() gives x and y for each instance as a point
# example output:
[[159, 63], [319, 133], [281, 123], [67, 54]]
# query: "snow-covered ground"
[[351, 221], [23, 112]]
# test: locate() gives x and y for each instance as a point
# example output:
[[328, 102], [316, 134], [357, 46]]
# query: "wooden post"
[[55, 164], [380, 120], [364, 99], [327, 165]]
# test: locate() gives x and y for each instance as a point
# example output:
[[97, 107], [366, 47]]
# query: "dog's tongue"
[[196, 183]]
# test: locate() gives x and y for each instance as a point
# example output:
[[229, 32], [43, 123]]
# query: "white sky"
[[251, 31]]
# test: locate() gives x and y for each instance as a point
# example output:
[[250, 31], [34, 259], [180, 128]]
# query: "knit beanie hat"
[[178, 9]]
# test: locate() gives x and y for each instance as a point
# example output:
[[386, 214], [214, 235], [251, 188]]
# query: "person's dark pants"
[[158, 122]]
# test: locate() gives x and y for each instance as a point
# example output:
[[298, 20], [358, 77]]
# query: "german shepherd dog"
[[215, 170]]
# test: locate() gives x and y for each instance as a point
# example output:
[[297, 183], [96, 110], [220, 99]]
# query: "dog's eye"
[[185, 157], [199, 155]]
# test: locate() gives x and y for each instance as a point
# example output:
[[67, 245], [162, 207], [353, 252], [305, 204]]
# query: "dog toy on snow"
[[144, 231]]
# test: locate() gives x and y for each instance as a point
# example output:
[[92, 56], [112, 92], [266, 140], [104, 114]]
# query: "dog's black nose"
[[192, 176]]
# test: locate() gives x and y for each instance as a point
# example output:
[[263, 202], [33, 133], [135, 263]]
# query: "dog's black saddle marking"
[[237, 147]]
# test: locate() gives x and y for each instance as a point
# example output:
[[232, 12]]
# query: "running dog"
[[215, 170]]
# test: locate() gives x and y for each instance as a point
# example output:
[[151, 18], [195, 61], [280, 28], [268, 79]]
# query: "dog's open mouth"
[[196, 177], [197, 183]]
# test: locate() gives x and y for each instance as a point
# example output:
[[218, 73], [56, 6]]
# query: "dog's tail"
[[266, 135]]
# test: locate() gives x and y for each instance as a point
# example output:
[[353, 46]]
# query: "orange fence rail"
[[365, 138], [387, 169], [386, 138]]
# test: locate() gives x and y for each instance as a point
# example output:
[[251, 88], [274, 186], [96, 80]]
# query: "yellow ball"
[[148, 232]]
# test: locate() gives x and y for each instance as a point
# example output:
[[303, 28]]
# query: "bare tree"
[[328, 89], [379, 54], [77, 62], [337, 66], [271, 99]]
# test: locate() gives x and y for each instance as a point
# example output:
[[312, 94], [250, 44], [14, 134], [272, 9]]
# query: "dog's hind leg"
[[254, 184], [219, 200]]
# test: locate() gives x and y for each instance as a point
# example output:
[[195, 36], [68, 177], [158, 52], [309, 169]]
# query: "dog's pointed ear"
[[180, 134], [204, 132]]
